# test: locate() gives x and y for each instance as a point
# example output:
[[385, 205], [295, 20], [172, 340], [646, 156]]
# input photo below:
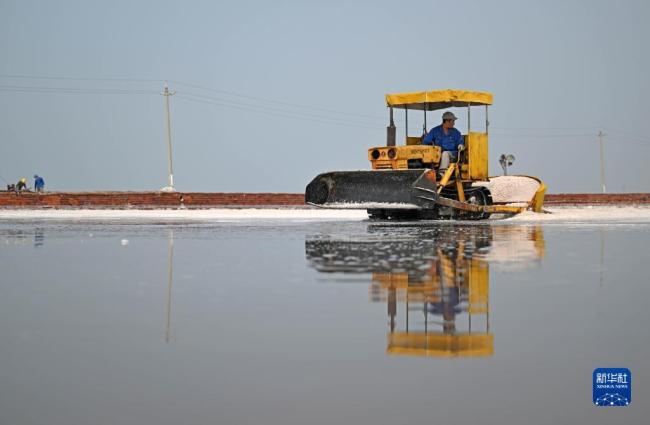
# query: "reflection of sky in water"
[[303, 323]]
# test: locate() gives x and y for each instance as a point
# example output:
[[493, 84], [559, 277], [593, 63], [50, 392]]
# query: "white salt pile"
[[511, 189]]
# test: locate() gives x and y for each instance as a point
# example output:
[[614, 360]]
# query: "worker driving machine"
[[404, 182]]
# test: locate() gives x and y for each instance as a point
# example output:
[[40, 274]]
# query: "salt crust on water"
[[184, 214], [558, 215], [572, 214]]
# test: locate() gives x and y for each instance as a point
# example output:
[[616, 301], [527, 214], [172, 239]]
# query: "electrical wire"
[[272, 112], [36, 77], [542, 136], [72, 90], [273, 101], [302, 107], [288, 109], [228, 102]]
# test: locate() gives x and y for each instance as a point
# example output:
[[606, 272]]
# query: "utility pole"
[[166, 93], [602, 160]]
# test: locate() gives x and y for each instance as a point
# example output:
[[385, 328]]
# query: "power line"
[[592, 128], [266, 100], [73, 90], [192, 97], [631, 136], [628, 141], [324, 120], [228, 102], [202, 87], [288, 111], [542, 136], [37, 77]]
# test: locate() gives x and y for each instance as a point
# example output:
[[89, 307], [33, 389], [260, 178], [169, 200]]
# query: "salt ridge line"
[[179, 214], [557, 215], [585, 214]]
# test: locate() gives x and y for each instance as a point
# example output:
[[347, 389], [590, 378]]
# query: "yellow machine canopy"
[[438, 99]]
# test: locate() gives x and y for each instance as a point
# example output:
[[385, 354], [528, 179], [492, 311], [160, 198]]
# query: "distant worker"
[[39, 183], [448, 138], [21, 185]]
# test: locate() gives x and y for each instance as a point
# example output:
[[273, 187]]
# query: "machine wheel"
[[473, 195], [477, 196]]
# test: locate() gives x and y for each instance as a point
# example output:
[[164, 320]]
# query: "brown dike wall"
[[147, 200], [235, 200], [597, 199]]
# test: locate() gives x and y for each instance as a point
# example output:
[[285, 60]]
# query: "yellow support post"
[[445, 178], [459, 185]]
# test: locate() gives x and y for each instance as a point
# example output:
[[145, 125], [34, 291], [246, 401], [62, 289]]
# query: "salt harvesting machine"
[[403, 182]]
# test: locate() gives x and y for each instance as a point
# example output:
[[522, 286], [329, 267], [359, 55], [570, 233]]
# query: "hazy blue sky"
[[560, 71]]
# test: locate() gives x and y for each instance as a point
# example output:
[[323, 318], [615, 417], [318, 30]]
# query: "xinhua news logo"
[[612, 387]]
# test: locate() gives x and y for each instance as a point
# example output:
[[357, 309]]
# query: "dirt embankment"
[[597, 199], [147, 200], [224, 200]]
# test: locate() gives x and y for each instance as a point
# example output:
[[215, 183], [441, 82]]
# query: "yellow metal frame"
[[440, 345], [438, 99], [477, 156], [474, 168], [537, 204], [397, 157]]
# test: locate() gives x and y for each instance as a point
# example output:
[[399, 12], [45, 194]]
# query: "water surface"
[[282, 322]]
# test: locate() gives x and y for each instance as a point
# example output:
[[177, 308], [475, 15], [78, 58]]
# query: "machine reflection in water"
[[435, 281]]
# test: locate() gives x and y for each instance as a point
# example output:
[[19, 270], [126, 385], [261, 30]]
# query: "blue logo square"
[[612, 387]]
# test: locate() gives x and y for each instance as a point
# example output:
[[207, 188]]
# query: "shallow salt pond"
[[300, 317]]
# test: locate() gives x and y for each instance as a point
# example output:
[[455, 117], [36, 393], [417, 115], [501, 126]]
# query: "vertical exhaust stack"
[[391, 131]]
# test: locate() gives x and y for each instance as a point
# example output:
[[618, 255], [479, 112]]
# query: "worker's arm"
[[460, 143], [428, 139]]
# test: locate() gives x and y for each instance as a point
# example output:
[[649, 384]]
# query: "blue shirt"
[[448, 142], [39, 183]]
